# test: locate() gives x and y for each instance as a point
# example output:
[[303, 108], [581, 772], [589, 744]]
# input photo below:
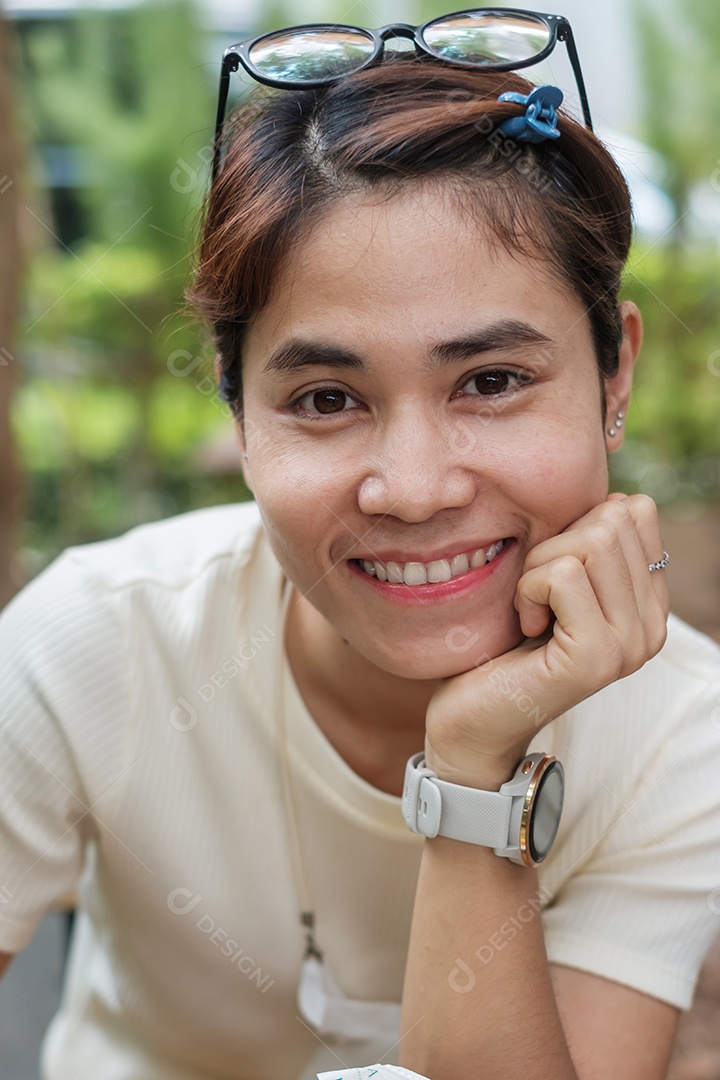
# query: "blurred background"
[[108, 410], [110, 416]]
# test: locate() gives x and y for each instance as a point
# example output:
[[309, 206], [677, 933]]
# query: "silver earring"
[[613, 430]]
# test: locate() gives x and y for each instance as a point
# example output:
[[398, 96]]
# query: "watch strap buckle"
[[421, 802]]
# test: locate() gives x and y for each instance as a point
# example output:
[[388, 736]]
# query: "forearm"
[[478, 999]]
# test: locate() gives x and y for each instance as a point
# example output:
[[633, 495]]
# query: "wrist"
[[519, 821], [472, 769]]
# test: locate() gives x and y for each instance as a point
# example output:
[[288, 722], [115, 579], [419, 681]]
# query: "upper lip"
[[393, 555]]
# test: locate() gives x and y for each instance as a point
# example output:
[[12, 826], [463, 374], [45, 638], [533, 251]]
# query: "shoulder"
[[675, 688], [630, 867], [688, 654], [646, 749], [675, 692], [169, 553], [84, 606], [657, 730]]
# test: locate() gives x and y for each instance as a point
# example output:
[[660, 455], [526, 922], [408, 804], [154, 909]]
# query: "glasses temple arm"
[[229, 63], [567, 35]]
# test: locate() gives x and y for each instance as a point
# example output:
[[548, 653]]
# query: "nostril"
[[415, 493]]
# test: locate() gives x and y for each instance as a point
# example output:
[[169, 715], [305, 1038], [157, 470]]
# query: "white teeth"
[[415, 574], [459, 565], [439, 570]]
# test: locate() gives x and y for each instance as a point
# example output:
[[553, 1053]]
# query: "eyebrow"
[[504, 335]]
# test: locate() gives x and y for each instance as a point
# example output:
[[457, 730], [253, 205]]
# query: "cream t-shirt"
[[140, 765]]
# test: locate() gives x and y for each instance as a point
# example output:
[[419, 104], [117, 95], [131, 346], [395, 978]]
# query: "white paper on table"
[[372, 1072]]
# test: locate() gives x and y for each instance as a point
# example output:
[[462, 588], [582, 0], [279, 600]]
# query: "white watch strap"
[[434, 807]]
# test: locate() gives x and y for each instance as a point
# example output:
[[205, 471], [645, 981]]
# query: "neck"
[[373, 719]]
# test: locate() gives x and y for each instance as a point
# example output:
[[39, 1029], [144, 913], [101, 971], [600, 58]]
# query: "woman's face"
[[414, 394]]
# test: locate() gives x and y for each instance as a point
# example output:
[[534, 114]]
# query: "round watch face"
[[546, 810]]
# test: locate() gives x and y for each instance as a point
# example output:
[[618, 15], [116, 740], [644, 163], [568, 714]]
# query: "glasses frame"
[[238, 55]]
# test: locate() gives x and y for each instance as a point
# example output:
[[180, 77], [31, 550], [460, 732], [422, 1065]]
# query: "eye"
[[324, 401], [493, 381]]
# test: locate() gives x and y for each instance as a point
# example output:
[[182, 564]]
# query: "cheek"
[[561, 474], [303, 500]]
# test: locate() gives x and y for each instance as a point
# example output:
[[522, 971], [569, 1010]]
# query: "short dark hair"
[[290, 155]]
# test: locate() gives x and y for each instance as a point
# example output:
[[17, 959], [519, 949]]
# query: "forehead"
[[406, 266]]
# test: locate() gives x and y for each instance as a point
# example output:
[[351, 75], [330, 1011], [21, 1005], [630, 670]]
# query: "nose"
[[416, 470]]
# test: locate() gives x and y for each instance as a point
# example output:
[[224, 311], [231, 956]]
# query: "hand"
[[593, 613]]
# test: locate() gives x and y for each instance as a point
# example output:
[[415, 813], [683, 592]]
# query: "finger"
[[643, 512], [639, 542], [635, 518], [597, 540], [630, 515], [584, 645], [609, 543], [535, 618]]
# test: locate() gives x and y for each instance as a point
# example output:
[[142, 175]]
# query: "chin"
[[458, 650]]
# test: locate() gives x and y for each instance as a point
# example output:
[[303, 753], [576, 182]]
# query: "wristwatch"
[[520, 821]]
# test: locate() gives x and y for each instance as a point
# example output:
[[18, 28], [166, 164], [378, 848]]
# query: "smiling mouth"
[[430, 573]]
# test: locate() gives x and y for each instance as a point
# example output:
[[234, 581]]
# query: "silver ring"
[[661, 564]]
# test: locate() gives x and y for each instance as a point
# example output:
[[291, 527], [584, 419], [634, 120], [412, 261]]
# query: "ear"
[[618, 388]]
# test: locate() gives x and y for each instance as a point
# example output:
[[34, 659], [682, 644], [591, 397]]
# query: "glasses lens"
[[478, 37], [306, 55]]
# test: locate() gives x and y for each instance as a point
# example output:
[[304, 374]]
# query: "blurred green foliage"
[[679, 57], [118, 403], [673, 447], [117, 400]]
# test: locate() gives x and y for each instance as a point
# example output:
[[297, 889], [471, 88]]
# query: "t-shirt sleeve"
[[643, 906], [63, 697]]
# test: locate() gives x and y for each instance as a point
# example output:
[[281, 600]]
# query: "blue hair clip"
[[540, 120]]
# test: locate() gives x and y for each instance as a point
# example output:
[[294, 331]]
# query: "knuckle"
[[629, 665], [604, 534], [657, 636], [643, 506], [568, 569], [643, 647], [616, 514], [640, 653], [535, 557]]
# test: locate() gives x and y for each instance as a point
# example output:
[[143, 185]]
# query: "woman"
[[418, 329]]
